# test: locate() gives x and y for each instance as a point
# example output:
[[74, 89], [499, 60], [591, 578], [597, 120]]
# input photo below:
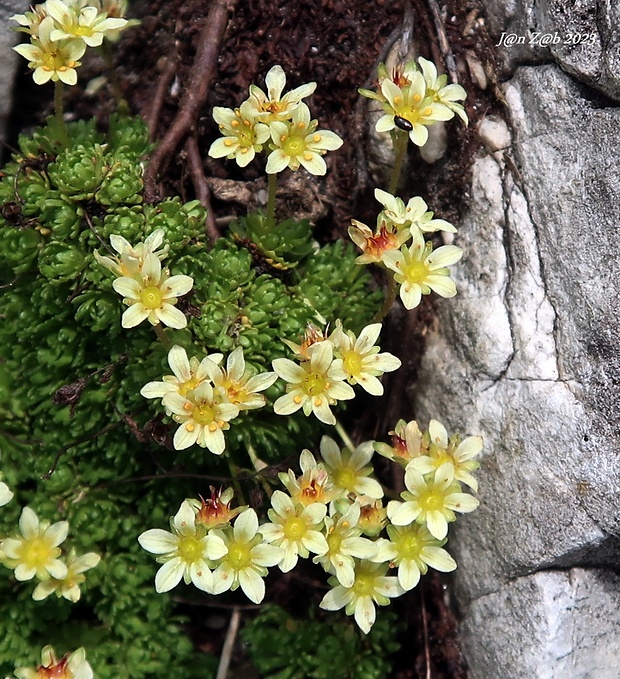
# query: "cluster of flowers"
[[418, 268], [147, 288], [70, 666], [61, 30], [203, 396], [36, 553], [333, 511], [279, 123], [414, 98]]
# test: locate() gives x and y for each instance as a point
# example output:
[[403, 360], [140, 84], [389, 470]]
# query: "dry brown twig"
[[203, 192], [196, 92]]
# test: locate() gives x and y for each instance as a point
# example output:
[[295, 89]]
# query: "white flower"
[[370, 586], [300, 143], [131, 257], [431, 500], [344, 542], [273, 106], [314, 484], [448, 95], [415, 215], [348, 469], [52, 60], [244, 134], [419, 270], [375, 246], [188, 374], [185, 552], [69, 586], [413, 549], [36, 552], [294, 528], [237, 384], [246, 561], [86, 23], [361, 360], [73, 666], [313, 385], [202, 418], [406, 443], [6, 495], [153, 296], [460, 454]]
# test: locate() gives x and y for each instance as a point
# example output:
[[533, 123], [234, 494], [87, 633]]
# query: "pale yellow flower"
[[406, 443], [420, 269], [376, 245], [186, 552], [71, 666], [437, 87], [153, 296], [314, 483], [86, 23], [298, 142], [130, 259], [414, 215], [350, 471], [294, 528], [69, 586], [244, 134], [314, 385], [273, 106], [361, 360], [203, 418], [50, 59], [36, 551]]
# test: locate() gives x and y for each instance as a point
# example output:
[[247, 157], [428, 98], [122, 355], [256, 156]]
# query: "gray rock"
[[528, 355], [554, 619], [8, 58], [583, 37]]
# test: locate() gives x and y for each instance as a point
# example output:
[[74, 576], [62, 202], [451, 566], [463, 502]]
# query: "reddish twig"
[[154, 110], [195, 96], [203, 192]]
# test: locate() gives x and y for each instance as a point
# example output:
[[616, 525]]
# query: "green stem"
[[123, 107], [400, 147], [390, 296], [162, 337], [236, 485], [63, 137], [272, 186], [259, 465], [346, 439]]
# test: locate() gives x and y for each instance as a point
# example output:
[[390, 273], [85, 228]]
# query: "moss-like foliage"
[[77, 440], [282, 647]]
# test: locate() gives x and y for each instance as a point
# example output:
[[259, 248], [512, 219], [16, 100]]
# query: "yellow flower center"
[[294, 146], [37, 553], [431, 500], [334, 541], [352, 362], [151, 297], [345, 478], [204, 414], [189, 549], [415, 271], [364, 584], [191, 384], [239, 555], [314, 384], [409, 546], [294, 528]]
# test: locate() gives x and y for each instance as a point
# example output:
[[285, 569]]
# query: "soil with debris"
[[338, 44]]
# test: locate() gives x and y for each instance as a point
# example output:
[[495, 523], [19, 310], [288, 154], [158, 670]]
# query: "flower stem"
[[346, 439], [63, 137], [400, 147], [106, 52], [236, 485], [162, 337], [272, 186], [390, 296], [259, 465]]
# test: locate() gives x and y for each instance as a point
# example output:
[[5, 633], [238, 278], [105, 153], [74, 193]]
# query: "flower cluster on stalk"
[[327, 366], [70, 666], [414, 97], [61, 30], [149, 291], [203, 397], [418, 267], [35, 552], [279, 124], [333, 513]]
